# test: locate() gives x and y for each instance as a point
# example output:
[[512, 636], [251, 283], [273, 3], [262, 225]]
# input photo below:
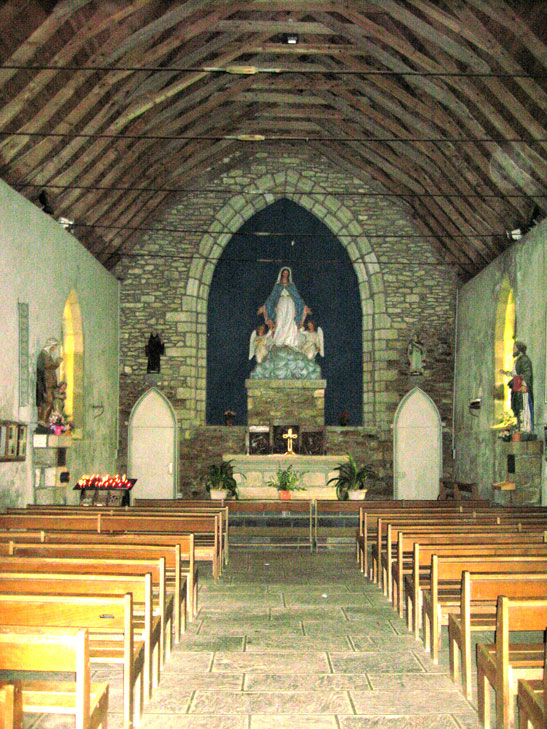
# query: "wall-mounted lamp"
[[515, 233]]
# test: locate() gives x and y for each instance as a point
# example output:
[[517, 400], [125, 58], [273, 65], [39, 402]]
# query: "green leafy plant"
[[286, 479], [220, 476], [352, 478]]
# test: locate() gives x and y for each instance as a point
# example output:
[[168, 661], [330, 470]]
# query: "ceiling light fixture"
[[291, 39]]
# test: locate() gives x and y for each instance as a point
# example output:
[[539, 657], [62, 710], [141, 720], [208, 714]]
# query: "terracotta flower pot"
[[285, 495]]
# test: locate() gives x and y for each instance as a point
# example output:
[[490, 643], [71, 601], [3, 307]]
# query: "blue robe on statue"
[[273, 298]]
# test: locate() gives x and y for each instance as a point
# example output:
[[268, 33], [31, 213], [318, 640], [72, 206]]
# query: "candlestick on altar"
[[289, 436]]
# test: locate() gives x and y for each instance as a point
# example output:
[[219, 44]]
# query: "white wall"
[[39, 264]]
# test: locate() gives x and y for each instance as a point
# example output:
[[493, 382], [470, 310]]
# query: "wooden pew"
[[457, 490], [172, 603], [176, 508], [74, 559], [11, 705], [206, 528], [402, 562], [140, 587], [110, 616], [478, 604], [443, 595], [370, 514], [55, 650], [503, 662], [188, 566], [532, 700]]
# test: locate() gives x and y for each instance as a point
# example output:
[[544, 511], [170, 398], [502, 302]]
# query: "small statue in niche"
[[416, 355], [48, 362], [522, 388], [154, 349]]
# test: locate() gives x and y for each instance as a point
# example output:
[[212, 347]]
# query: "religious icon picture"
[[22, 441], [3, 439], [11, 451]]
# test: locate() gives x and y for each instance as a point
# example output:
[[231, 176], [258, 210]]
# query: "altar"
[[252, 474]]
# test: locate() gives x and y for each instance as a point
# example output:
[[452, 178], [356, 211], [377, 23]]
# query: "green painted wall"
[[479, 453], [39, 264]]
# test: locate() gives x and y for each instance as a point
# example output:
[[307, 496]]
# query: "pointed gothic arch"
[[505, 328], [344, 226], [417, 447], [72, 368]]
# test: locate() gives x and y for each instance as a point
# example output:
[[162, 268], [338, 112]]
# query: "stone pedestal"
[[278, 402], [523, 467], [252, 474]]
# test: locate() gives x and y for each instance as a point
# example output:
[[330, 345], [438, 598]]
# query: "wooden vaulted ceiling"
[[110, 107]]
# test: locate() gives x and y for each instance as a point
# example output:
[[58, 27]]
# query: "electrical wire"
[[262, 138], [274, 70], [232, 191]]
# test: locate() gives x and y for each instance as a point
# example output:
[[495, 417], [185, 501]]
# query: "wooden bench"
[[172, 594], [206, 528], [502, 663], [175, 508], [188, 566], [402, 560], [11, 705], [532, 700], [140, 586], [55, 650], [109, 618], [478, 603], [74, 559], [443, 595]]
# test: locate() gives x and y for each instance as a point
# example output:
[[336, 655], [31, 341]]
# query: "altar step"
[[287, 529]]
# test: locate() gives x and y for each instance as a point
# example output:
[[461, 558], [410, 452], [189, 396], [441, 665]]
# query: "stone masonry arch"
[[343, 224]]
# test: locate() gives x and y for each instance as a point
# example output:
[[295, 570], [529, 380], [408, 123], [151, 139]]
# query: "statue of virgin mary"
[[285, 311]]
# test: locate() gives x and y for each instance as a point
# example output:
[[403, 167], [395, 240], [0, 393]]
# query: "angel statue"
[[261, 342], [311, 343]]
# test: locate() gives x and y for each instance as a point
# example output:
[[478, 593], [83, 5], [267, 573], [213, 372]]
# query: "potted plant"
[[220, 481], [285, 481], [351, 482]]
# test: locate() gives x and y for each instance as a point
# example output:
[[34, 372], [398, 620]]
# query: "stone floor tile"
[[408, 702], [443, 721], [375, 662], [297, 643], [291, 721], [271, 702], [306, 681], [287, 662], [212, 643]]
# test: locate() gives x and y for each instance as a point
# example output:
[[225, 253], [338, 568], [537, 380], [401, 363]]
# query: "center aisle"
[[299, 640]]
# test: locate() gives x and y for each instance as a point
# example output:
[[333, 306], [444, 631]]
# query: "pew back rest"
[[106, 613]]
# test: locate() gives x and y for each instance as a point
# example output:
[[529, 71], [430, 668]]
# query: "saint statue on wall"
[[47, 385], [522, 388]]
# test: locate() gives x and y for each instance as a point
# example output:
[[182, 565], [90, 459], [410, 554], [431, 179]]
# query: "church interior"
[[251, 241]]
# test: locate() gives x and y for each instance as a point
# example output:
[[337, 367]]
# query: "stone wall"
[[403, 287]]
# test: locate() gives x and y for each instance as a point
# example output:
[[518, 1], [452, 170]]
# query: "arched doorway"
[[152, 447], [417, 447]]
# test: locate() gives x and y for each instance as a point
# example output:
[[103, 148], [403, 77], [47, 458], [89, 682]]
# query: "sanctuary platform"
[[252, 473]]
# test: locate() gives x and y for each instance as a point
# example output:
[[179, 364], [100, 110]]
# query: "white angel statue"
[[311, 342], [261, 343]]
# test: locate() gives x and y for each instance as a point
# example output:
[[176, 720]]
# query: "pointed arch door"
[[417, 447], [152, 447]]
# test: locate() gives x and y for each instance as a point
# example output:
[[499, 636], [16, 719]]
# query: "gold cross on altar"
[[289, 437]]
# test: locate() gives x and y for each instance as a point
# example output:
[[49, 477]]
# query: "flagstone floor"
[[290, 639]]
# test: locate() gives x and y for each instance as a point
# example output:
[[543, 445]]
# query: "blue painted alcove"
[[244, 277]]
